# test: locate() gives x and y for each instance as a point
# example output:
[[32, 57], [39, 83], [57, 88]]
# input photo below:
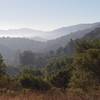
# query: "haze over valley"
[[43, 35], [49, 49], [13, 42]]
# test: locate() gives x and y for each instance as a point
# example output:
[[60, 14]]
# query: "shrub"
[[30, 81], [61, 80]]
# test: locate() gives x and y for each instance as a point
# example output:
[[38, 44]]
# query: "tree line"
[[82, 70]]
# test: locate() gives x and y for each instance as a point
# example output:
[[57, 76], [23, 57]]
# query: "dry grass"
[[52, 95]]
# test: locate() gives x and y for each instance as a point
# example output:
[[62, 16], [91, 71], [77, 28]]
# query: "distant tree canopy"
[[84, 45], [31, 59], [68, 50], [27, 58]]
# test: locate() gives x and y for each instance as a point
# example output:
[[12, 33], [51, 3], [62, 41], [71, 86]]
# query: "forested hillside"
[[72, 69], [79, 72], [11, 47]]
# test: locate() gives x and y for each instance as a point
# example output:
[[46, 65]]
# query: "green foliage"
[[2, 66], [33, 72], [32, 80], [58, 65], [61, 80], [27, 58], [84, 45], [81, 71], [86, 66], [9, 83], [31, 59]]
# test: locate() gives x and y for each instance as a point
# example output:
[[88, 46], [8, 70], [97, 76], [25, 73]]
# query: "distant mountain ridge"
[[57, 33], [95, 34], [69, 49], [10, 47]]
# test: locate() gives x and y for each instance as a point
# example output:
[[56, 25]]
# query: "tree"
[[61, 80], [57, 65], [27, 58], [2, 66], [33, 72], [30, 80], [86, 66]]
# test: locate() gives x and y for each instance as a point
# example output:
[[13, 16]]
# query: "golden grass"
[[52, 95]]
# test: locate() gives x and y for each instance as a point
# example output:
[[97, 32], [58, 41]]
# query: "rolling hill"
[[11, 46]]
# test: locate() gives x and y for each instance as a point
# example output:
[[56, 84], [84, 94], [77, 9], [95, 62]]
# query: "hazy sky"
[[47, 14]]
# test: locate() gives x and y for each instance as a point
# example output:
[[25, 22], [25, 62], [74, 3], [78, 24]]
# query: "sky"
[[47, 14]]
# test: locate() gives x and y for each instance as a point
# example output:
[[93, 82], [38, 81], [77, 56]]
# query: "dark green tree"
[[2, 66], [86, 65], [32, 80], [61, 80], [27, 58]]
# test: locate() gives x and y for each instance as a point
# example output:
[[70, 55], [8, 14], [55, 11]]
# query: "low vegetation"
[[63, 78]]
